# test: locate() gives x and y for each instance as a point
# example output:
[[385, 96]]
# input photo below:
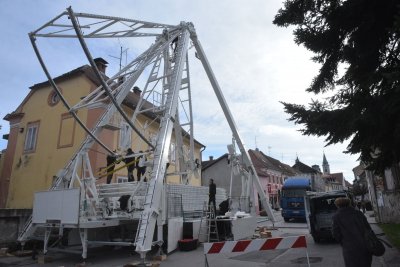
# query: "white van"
[[320, 208]]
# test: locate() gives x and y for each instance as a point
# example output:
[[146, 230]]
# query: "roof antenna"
[[122, 51]]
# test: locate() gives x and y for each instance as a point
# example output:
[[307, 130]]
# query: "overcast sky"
[[256, 64]]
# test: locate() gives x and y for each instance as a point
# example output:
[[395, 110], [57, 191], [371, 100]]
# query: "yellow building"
[[44, 136]]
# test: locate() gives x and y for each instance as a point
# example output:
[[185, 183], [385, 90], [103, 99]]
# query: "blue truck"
[[292, 197]]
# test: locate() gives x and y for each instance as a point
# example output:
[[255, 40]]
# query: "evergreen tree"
[[361, 39], [360, 188]]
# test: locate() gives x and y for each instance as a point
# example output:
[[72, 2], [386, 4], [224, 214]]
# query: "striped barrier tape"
[[255, 245]]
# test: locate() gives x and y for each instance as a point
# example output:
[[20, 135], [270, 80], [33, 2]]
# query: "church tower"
[[325, 166]]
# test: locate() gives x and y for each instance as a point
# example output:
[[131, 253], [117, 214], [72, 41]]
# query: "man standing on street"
[[348, 229], [211, 194]]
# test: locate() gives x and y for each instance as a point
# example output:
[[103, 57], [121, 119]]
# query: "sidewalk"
[[391, 258]]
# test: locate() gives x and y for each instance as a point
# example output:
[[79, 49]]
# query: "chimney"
[[211, 158], [316, 167], [101, 64], [136, 90]]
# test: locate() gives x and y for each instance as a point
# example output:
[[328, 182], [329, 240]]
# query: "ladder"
[[210, 228], [152, 205]]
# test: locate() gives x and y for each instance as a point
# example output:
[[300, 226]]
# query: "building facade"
[[272, 173], [44, 136], [384, 192], [325, 165], [220, 170], [317, 182], [333, 181]]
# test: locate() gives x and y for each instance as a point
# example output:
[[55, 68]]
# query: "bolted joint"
[[151, 212], [190, 27], [165, 34], [192, 30]]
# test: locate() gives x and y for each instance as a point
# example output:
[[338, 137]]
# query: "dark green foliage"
[[361, 38], [360, 188]]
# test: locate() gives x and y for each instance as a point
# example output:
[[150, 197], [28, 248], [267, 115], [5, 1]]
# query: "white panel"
[[228, 247], [196, 228], [175, 233], [204, 229], [57, 205], [244, 227], [287, 242]]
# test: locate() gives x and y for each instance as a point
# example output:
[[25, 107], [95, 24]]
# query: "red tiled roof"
[[263, 162]]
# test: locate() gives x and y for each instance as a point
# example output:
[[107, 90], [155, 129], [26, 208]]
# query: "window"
[[125, 135], [67, 131], [293, 192], [53, 98], [325, 204], [172, 156], [396, 175], [153, 139], [122, 179], [31, 136], [390, 178]]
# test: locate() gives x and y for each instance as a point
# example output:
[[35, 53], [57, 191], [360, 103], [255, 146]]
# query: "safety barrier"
[[256, 245]]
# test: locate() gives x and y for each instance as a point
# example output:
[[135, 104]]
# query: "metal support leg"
[[232, 124], [206, 261], [143, 258], [61, 231], [83, 235], [160, 240], [47, 233], [308, 258]]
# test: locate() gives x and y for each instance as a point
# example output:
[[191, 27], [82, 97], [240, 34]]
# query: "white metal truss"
[[165, 99]]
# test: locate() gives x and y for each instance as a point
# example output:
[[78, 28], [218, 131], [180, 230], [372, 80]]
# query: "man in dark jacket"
[[140, 166], [111, 161], [348, 229], [130, 162], [211, 195]]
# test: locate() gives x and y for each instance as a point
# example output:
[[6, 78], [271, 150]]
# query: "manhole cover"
[[304, 260]]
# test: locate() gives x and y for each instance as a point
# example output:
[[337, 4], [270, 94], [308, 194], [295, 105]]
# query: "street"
[[326, 253]]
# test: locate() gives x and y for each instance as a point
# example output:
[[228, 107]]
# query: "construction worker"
[[111, 161], [211, 195], [129, 161], [174, 44], [140, 166]]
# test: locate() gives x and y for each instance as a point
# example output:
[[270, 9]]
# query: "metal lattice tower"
[[167, 93]]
